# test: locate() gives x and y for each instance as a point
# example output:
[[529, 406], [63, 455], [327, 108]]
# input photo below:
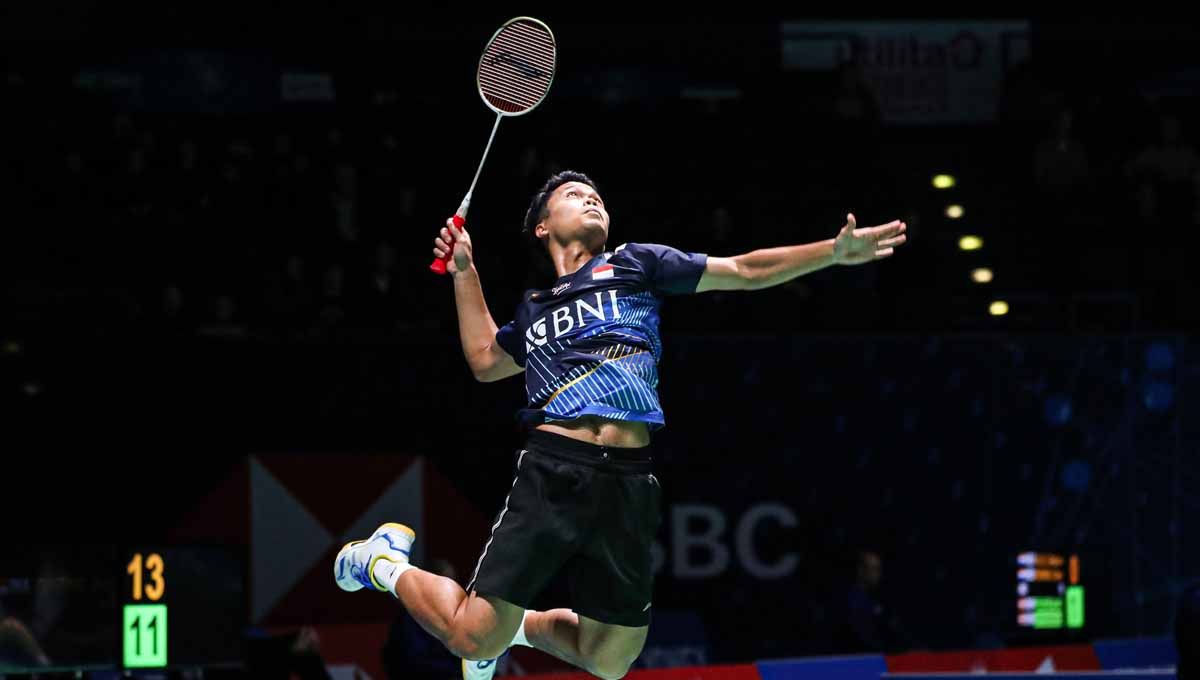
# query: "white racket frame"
[[500, 115]]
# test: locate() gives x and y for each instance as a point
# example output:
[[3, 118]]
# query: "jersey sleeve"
[[510, 340], [667, 271]]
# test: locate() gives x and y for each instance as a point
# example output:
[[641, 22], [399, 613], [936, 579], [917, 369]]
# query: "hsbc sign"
[[705, 542]]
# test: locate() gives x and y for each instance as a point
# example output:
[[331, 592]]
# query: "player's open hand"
[[856, 246], [461, 245]]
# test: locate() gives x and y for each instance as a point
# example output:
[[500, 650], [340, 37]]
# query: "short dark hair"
[[537, 207]]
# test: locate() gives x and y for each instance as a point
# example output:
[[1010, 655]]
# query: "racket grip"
[[439, 264]]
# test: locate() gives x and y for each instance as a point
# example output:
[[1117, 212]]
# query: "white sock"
[[519, 638], [387, 573]]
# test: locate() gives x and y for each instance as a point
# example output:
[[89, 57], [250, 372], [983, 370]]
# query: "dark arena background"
[[223, 356]]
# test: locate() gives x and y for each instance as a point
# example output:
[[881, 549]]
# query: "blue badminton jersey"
[[590, 344]]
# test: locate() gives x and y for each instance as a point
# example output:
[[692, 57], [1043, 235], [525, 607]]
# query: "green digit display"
[[1048, 612], [1047, 619], [1075, 607], [145, 635]]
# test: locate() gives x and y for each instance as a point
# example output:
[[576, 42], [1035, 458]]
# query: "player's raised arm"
[[476, 328], [772, 266]]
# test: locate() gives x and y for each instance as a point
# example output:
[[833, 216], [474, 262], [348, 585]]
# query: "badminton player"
[[584, 501]]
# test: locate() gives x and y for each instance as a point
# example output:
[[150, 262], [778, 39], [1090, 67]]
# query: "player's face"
[[577, 213]]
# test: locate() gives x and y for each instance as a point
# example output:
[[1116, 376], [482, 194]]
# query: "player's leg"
[[612, 579], [528, 545], [532, 538], [604, 650], [556, 632], [574, 497], [609, 649], [471, 627], [610, 572]]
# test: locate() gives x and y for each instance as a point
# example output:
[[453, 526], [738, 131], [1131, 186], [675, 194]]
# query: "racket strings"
[[496, 82], [517, 67]]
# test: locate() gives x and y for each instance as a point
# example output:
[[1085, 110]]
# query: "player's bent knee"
[[610, 669], [475, 648], [609, 674]]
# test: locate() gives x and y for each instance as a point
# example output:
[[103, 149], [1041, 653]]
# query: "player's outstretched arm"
[[772, 266]]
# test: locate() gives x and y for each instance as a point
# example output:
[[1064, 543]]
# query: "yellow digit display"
[[154, 589], [135, 570], [157, 583]]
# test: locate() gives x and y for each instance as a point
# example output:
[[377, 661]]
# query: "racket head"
[[517, 67]]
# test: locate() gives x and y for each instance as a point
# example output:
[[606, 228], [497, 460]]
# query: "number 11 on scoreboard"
[[145, 634]]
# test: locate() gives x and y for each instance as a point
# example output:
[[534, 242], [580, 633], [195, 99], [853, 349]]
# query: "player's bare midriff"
[[621, 434]]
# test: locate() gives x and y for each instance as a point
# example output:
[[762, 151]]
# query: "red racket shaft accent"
[[439, 264]]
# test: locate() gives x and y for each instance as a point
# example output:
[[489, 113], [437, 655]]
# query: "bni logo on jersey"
[[604, 271]]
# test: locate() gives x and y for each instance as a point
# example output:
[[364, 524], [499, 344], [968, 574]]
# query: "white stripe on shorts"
[[475, 574]]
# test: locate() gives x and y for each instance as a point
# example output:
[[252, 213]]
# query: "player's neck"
[[569, 258]]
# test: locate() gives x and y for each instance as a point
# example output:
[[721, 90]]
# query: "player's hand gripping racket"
[[514, 76]]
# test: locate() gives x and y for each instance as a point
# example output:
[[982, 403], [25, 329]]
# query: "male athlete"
[[584, 500]]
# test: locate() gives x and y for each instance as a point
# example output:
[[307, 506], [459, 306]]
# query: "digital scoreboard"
[[144, 630], [1050, 594], [108, 608], [179, 605]]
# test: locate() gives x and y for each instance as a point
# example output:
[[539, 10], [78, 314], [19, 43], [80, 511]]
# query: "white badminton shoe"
[[481, 670], [356, 560]]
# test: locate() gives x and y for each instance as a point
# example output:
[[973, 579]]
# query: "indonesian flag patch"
[[604, 271]]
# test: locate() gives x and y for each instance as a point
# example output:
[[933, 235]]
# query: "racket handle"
[[460, 218], [439, 264]]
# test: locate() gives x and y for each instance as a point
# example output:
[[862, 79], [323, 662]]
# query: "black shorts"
[[589, 511]]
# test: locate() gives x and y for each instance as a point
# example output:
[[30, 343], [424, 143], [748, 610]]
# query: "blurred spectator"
[[285, 657], [384, 290], [1163, 172], [280, 188], [289, 298], [224, 321], [335, 150], [344, 207], [410, 653], [382, 183], [170, 312], [854, 99], [1060, 171], [857, 122], [52, 615], [333, 299], [1162, 175], [1024, 99], [18, 647], [408, 201], [867, 625], [307, 212], [122, 132], [75, 201], [530, 168], [726, 238]]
